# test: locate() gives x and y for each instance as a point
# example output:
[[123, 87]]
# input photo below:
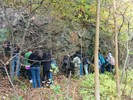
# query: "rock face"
[[43, 32]]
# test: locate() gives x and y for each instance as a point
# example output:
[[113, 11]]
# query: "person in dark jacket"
[[7, 48], [34, 60], [85, 63], [16, 60], [66, 65], [46, 63]]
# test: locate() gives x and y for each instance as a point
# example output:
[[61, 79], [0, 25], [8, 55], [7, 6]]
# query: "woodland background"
[[65, 26]]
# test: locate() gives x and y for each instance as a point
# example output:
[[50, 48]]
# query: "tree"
[[97, 90], [116, 52]]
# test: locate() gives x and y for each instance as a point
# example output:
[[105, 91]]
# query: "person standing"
[[85, 64], [111, 61], [16, 60], [34, 60], [79, 54], [27, 65], [77, 63], [46, 63], [102, 60], [66, 65]]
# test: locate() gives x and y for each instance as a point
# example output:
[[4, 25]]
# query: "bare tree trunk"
[[116, 53], [97, 87]]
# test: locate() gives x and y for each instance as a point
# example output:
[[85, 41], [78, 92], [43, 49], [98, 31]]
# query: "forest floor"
[[63, 89]]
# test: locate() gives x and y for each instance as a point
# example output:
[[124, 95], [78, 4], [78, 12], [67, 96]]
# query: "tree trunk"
[[97, 89], [116, 53], [30, 8]]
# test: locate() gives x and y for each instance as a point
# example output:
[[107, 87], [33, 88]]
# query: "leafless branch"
[[68, 87], [10, 79], [37, 7]]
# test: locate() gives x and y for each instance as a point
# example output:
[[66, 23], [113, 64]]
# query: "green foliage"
[[131, 52], [22, 84], [107, 87], [123, 37], [15, 98], [56, 89], [127, 82], [54, 68], [3, 34]]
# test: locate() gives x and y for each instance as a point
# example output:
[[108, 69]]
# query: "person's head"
[[110, 54], [77, 52], [84, 55], [6, 42], [68, 55], [75, 55], [16, 46], [38, 53], [30, 50]]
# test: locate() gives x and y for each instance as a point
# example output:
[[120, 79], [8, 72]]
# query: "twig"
[[37, 6], [23, 39], [68, 87], [131, 89], [74, 91], [10, 79]]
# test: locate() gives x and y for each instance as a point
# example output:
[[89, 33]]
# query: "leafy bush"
[[127, 82], [107, 86]]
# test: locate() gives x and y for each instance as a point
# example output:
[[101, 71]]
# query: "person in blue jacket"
[[101, 58]]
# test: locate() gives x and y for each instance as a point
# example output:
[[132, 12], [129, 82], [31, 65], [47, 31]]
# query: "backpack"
[[65, 62], [112, 61], [101, 59], [77, 63]]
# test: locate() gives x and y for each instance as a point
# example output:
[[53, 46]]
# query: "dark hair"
[[75, 55], [39, 53], [78, 52]]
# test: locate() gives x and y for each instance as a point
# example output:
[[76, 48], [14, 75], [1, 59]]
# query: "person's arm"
[[31, 57], [73, 60]]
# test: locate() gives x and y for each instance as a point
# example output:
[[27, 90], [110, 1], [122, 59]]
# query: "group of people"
[[79, 64], [106, 63], [34, 59]]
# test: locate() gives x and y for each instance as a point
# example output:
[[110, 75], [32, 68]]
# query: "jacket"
[[46, 61], [34, 60]]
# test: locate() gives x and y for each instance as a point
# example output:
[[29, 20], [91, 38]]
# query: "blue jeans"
[[102, 68], [108, 68], [35, 72], [81, 69], [50, 76], [28, 73], [15, 62]]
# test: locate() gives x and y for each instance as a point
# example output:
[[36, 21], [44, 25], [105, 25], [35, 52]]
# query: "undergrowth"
[[107, 86]]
